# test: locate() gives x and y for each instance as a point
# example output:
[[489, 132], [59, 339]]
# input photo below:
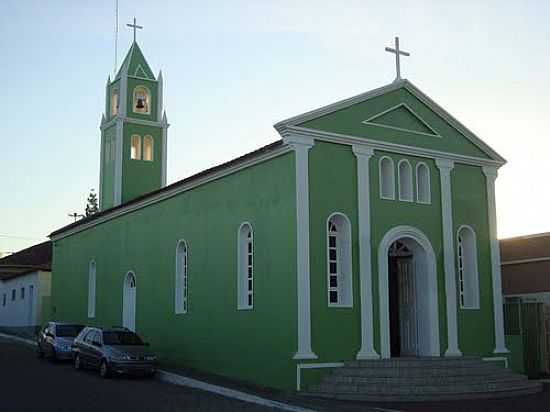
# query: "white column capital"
[[444, 164], [360, 150], [491, 172], [299, 141]]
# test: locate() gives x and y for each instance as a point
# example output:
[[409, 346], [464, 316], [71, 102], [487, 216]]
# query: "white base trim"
[[301, 366], [498, 358], [305, 356], [180, 380], [367, 355]]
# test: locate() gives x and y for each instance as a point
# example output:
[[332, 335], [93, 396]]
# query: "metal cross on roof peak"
[[397, 53], [135, 27]]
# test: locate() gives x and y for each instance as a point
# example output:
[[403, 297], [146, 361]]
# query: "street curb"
[[229, 393], [18, 339], [181, 380]]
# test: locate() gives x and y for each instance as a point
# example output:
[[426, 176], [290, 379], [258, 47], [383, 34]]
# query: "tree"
[[91, 204]]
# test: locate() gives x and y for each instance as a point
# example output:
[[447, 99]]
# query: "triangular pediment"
[[134, 64], [140, 72], [401, 117], [396, 115]]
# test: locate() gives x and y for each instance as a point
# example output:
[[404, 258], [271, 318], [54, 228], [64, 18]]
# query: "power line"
[[20, 237]]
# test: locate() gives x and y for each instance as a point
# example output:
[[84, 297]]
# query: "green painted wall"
[[141, 176], [349, 122], [469, 193], [255, 345]]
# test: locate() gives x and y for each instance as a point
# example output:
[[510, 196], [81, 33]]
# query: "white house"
[[25, 288]]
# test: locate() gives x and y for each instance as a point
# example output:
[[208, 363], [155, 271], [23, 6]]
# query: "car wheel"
[[39, 353], [104, 371], [77, 362]]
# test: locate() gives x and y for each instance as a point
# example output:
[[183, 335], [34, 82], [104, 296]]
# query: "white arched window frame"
[[114, 102], [405, 178], [386, 176], [148, 148], [423, 186], [142, 100], [182, 264], [467, 269], [339, 261], [245, 267], [91, 289], [135, 147]]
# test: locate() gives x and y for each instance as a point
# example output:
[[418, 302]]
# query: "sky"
[[232, 69]]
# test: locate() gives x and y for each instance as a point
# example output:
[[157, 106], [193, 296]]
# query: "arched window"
[[405, 180], [181, 277], [423, 191], [386, 178], [245, 267], [91, 289], [339, 273], [142, 99], [114, 102], [468, 278], [135, 148], [148, 148]]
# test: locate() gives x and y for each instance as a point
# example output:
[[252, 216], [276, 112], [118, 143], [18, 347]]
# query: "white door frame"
[[129, 302], [426, 269]]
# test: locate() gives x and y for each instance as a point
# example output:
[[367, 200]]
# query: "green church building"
[[367, 232]]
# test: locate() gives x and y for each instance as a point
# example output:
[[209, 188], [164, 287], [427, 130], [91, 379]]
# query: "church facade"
[[368, 231]]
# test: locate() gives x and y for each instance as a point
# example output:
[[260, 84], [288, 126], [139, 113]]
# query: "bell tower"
[[133, 133]]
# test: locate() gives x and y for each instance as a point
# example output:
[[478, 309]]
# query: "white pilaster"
[[159, 96], [500, 344], [101, 160], [445, 166], [363, 154], [164, 149], [301, 146], [117, 194], [123, 93]]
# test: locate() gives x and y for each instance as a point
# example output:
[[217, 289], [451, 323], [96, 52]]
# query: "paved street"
[[30, 384]]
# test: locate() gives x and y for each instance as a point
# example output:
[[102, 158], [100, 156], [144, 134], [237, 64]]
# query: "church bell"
[[140, 104]]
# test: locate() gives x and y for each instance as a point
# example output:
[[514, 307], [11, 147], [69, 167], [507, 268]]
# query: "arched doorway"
[[407, 281], [129, 302]]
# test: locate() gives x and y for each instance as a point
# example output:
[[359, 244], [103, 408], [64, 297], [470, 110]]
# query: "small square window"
[[250, 260], [249, 300], [13, 293], [250, 284], [250, 271], [333, 281], [332, 241], [332, 267], [250, 248], [22, 293], [332, 254], [333, 297]]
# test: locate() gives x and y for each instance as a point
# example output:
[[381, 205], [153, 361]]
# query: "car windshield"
[[67, 331], [121, 338]]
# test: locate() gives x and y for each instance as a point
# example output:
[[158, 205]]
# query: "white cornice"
[[390, 147], [407, 85], [134, 121], [175, 191]]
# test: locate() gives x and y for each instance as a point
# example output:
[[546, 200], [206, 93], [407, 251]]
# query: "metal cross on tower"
[[397, 53], [135, 27]]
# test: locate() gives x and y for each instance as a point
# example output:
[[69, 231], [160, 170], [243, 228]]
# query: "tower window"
[[142, 99], [339, 272], [245, 267], [114, 103], [135, 149], [148, 148]]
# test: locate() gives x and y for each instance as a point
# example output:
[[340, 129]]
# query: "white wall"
[[26, 311]]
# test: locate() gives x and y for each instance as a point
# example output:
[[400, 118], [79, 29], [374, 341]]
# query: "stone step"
[[428, 389], [430, 362], [520, 390], [486, 368], [423, 380]]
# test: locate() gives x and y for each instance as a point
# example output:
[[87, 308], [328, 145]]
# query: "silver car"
[[113, 350], [55, 340]]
